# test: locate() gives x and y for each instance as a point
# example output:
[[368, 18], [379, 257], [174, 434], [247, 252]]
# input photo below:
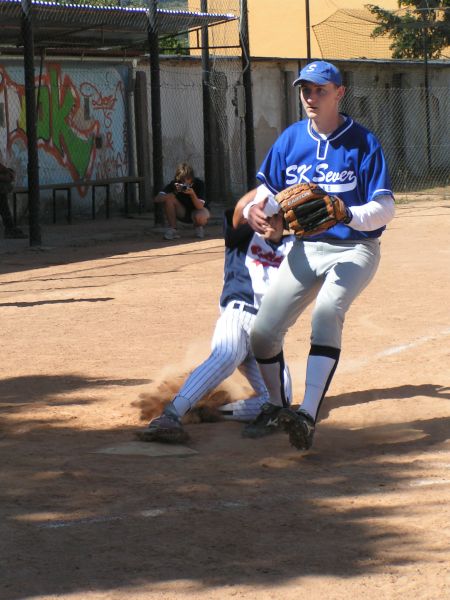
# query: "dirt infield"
[[87, 329]]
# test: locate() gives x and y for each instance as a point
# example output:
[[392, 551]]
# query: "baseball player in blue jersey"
[[251, 261], [345, 159]]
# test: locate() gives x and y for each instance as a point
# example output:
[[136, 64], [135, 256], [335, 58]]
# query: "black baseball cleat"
[[167, 428], [300, 427], [265, 423]]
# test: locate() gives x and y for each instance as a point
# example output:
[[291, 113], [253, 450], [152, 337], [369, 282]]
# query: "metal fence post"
[[247, 81], [207, 141], [155, 86], [31, 120]]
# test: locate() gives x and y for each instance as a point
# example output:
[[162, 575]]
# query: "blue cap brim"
[[317, 79]]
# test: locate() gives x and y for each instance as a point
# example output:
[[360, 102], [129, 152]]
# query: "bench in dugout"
[[93, 184]]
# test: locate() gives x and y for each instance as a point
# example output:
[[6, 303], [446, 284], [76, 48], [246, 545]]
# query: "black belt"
[[246, 308]]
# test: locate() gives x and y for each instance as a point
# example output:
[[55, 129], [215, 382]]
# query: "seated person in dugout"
[[184, 200]]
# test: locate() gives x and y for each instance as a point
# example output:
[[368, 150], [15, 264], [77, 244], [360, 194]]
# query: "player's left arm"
[[375, 214], [379, 208]]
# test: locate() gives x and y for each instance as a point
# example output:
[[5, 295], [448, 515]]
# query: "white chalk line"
[[148, 513], [354, 364], [430, 481], [85, 521], [419, 342]]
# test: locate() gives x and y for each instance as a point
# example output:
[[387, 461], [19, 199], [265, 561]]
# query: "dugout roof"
[[81, 27]]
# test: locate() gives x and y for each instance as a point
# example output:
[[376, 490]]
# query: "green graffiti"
[[62, 135], [53, 124]]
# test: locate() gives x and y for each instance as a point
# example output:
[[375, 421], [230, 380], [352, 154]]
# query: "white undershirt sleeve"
[[262, 192], [373, 215]]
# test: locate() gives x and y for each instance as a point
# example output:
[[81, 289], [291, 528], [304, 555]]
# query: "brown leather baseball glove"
[[309, 210]]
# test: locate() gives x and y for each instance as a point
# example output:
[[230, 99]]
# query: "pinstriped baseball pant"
[[230, 350], [333, 273]]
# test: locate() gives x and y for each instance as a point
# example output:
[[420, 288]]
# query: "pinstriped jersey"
[[251, 262], [349, 164]]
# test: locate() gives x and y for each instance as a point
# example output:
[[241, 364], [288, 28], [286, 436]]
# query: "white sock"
[[318, 371], [244, 410]]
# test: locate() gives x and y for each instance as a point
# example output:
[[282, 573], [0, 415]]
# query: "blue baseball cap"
[[319, 72]]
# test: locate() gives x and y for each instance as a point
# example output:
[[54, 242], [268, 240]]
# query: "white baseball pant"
[[230, 350], [333, 273]]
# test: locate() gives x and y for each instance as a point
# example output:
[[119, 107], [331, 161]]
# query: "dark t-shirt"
[[185, 199]]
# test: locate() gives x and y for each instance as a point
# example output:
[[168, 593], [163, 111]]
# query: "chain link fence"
[[183, 83], [412, 126], [183, 122], [349, 33]]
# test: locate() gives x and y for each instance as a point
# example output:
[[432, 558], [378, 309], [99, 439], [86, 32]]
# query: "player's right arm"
[[255, 207], [238, 216]]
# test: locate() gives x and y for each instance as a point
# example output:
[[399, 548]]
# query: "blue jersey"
[[251, 261], [349, 163]]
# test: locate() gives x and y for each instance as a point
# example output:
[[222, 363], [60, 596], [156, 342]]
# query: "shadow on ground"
[[65, 244], [241, 511]]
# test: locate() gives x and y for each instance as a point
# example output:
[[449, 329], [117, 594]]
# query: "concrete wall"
[[275, 102]]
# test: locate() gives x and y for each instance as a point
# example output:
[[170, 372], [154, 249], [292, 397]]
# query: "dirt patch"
[[97, 337]]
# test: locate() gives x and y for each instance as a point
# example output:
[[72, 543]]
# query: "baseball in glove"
[[309, 210]]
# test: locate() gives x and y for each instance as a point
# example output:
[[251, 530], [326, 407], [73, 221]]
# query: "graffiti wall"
[[82, 124]]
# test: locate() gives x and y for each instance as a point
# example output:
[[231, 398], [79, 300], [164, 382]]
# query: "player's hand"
[[257, 219]]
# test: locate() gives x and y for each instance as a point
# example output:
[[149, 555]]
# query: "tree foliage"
[[176, 44], [419, 29]]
